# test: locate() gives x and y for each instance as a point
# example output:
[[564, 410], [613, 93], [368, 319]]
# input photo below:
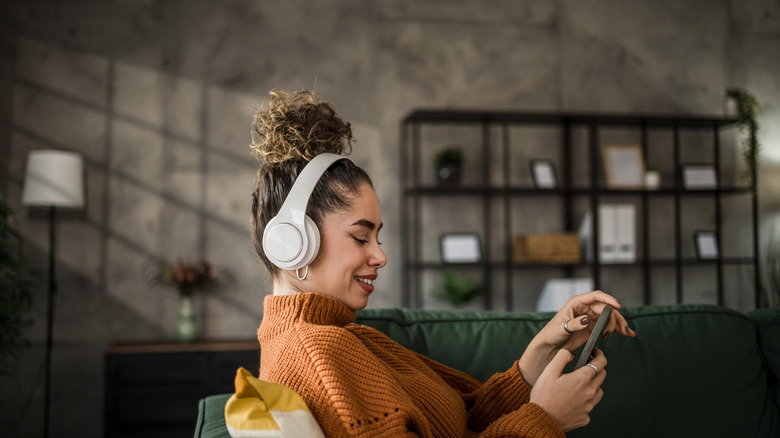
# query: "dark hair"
[[290, 130]]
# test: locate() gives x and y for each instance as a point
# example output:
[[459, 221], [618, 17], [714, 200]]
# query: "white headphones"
[[291, 239]]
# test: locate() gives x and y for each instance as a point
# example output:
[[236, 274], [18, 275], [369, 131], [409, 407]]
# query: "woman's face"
[[349, 255]]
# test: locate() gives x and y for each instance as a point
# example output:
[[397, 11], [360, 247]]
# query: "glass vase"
[[186, 330]]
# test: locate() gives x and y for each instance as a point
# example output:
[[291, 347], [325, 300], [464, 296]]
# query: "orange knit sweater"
[[358, 382]]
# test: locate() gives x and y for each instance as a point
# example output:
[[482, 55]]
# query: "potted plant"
[[448, 162], [748, 110], [187, 279], [18, 279], [456, 290]]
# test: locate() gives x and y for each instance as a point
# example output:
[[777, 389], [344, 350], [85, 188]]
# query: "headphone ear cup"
[[313, 236], [282, 243]]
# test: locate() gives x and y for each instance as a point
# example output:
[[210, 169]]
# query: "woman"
[[355, 380]]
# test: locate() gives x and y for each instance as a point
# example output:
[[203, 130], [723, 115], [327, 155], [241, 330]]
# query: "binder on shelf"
[[617, 234], [586, 237], [608, 233], [626, 233]]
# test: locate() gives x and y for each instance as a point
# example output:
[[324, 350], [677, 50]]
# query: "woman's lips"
[[366, 282]]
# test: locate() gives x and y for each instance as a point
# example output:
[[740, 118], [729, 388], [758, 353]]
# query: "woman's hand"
[[569, 398], [579, 316]]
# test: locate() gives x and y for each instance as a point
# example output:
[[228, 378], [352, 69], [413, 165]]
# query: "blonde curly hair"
[[298, 126]]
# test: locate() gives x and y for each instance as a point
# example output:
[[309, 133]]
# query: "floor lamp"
[[54, 179]]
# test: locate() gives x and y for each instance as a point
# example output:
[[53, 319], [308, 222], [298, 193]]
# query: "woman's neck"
[[283, 286]]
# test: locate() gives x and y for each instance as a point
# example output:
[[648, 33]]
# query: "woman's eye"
[[360, 241]]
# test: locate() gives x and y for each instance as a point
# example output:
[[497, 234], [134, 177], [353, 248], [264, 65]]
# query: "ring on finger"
[[566, 327], [595, 368]]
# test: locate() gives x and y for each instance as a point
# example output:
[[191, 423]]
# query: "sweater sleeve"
[[499, 407]]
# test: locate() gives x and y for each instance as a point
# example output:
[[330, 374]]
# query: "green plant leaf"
[[456, 290], [18, 279], [748, 110]]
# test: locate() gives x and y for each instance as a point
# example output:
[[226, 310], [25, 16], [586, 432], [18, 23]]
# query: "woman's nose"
[[378, 258]]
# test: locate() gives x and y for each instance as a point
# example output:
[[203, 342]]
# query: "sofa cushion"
[[693, 370]]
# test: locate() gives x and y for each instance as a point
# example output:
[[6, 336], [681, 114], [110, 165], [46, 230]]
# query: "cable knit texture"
[[359, 382]]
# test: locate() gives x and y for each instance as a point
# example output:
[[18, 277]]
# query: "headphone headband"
[[291, 239], [294, 206]]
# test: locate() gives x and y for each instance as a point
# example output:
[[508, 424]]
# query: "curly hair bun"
[[295, 126]]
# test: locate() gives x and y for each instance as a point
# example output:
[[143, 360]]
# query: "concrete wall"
[[158, 97]]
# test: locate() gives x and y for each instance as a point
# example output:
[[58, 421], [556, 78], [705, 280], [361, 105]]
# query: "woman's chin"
[[358, 303]]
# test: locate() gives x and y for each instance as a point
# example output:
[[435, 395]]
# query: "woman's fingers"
[[576, 324], [598, 359], [597, 298], [593, 303], [619, 324], [596, 365], [569, 398]]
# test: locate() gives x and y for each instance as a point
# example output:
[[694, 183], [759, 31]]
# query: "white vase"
[[652, 180]]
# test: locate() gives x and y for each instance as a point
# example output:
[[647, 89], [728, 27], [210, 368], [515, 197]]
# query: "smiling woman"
[[315, 224]]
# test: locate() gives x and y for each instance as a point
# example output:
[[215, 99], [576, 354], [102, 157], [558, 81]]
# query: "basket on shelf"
[[547, 248]]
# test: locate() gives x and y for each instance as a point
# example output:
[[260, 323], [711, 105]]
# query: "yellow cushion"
[[267, 409]]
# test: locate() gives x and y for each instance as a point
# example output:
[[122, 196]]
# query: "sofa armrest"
[[768, 323], [211, 417]]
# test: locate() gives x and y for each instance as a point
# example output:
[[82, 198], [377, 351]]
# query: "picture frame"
[[699, 177], [706, 243], [543, 174], [624, 166], [460, 248]]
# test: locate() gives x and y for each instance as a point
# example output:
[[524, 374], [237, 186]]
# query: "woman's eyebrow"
[[368, 224]]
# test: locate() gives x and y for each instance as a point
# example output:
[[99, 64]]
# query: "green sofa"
[[693, 370]]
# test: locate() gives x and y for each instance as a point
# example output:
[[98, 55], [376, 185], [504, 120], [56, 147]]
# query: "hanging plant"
[[748, 110]]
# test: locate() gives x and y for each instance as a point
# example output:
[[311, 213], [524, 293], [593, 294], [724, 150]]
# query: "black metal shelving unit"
[[495, 125]]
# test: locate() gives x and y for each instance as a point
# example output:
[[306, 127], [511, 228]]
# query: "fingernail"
[[584, 320], [607, 335]]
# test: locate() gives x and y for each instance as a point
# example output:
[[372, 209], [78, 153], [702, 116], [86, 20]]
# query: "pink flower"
[[187, 277]]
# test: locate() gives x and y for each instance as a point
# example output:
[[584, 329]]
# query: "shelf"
[[579, 168], [637, 264], [474, 191], [654, 120]]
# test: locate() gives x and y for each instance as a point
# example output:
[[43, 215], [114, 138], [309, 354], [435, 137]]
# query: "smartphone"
[[594, 336]]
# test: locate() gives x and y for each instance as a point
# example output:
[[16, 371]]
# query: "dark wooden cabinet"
[[153, 389]]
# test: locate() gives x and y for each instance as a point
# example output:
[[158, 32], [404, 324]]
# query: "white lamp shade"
[[54, 179]]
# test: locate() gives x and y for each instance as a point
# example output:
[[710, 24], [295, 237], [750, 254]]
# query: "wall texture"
[[158, 97]]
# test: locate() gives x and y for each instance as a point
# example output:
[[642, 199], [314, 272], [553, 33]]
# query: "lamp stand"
[[50, 318]]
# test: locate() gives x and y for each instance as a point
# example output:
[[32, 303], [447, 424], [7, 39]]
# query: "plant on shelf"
[[187, 279], [18, 279], [456, 290], [748, 110], [448, 162]]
